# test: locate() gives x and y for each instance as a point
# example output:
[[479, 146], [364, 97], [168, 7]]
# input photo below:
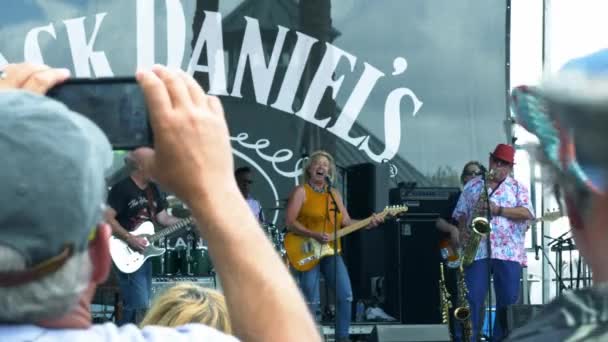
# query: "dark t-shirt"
[[131, 203]]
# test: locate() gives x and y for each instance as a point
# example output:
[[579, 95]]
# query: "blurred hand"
[[35, 78], [137, 243], [192, 155], [321, 237], [375, 221]]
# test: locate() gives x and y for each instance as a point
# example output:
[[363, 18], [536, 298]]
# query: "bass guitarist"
[[133, 201], [310, 213]]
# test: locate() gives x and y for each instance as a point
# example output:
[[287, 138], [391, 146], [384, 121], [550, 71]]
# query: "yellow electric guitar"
[[304, 253]]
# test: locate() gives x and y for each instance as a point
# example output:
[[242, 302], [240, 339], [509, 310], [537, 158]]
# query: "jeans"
[[507, 275], [135, 289], [309, 283]]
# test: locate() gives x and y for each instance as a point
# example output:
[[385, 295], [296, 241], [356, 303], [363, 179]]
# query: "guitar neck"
[[171, 229], [353, 227]]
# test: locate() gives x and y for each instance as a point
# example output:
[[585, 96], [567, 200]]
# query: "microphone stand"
[[489, 251], [336, 210], [558, 278]]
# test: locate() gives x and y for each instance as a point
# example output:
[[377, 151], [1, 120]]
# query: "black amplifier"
[[425, 201]]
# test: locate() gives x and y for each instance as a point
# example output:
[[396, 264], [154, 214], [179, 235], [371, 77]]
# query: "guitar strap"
[[151, 205]]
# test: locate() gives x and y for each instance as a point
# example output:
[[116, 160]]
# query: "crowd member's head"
[[471, 170], [501, 162], [53, 247], [244, 179], [569, 115], [189, 303], [319, 165]]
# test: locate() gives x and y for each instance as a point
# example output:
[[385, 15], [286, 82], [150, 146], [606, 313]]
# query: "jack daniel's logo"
[[88, 61]]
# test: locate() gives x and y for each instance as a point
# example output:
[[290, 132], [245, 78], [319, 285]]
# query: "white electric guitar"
[[128, 260]]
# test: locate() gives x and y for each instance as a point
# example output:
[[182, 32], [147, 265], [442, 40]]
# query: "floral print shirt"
[[507, 236]]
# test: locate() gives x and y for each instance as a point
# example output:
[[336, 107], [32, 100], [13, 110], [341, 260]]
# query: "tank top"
[[316, 213]]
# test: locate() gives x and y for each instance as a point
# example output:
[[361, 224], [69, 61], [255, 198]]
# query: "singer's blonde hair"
[[189, 303], [313, 157]]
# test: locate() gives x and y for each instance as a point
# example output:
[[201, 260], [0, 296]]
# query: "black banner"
[[417, 84]]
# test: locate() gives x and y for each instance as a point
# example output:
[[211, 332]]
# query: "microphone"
[[328, 181]]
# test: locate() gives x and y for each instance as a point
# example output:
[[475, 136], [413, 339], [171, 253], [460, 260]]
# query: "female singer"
[[310, 213]]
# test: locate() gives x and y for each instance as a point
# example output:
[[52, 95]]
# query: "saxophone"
[[444, 297], [480, 226], [463, 312]]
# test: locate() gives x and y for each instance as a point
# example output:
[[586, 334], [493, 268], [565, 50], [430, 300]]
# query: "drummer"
[[244, 179]]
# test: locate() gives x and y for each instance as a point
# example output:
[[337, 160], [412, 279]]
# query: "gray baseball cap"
[[52, 180]]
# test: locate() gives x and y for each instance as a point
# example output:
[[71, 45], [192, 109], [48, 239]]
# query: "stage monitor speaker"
[[519, 315], [407, 333], [370, 254]]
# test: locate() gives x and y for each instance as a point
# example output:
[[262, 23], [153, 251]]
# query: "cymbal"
[[174, 201], [180, 212]]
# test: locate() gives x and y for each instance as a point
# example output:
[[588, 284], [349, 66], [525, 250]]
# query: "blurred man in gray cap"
[[569, 115], [54, 242]]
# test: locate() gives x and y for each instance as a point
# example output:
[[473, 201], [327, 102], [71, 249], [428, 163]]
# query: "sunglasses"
[[500, 162], [473, 173]]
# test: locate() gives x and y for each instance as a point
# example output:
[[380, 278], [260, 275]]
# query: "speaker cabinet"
[[370, 255], [367, 189], [420, 259], [406, 333]]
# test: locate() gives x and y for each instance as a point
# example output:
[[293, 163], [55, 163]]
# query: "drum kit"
[[191, 260], [188, 256]]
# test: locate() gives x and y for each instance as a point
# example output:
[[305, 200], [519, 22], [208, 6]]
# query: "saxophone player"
[[509, 210]]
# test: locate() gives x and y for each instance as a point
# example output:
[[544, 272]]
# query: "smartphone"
[[116, 105]]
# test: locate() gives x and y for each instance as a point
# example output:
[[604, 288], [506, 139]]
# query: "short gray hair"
[[51, 296]]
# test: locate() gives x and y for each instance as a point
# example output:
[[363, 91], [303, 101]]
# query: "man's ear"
[[99, 252]]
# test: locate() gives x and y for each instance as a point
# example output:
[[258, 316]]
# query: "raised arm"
[[191, 135]]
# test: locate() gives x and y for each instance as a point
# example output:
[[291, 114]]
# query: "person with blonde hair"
[[310, 213], [189, 303]]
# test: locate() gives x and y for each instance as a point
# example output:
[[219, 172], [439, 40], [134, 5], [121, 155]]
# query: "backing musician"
[[244, 179], [133, 201], [450, 244]]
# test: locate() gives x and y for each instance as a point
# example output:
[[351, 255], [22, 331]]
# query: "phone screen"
[[116, 105]]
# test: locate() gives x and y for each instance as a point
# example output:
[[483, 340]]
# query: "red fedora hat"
[[505, 153]]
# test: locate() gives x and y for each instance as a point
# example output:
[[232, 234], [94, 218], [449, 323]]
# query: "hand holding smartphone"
[[116, 105]]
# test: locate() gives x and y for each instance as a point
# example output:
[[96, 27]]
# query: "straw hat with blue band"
[[569, 115]]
